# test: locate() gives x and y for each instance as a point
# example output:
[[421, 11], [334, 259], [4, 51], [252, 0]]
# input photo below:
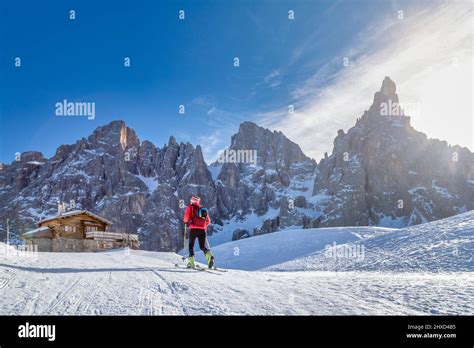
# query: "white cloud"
[[418, 53], [203, 100], [221, 125], [212, 144], [273, 79], [211, 110], [272, 76]]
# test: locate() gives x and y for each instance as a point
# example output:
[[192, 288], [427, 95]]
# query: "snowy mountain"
[[266, 195], [112, 173], [382, 173]]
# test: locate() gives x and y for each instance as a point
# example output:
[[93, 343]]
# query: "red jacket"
[[191, 218]]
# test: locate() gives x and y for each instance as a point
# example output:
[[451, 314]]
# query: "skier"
[[197, 219]]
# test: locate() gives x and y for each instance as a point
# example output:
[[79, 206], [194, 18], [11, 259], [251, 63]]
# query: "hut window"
[[70, 228]]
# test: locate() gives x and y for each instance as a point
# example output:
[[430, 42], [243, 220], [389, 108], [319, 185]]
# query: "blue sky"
[[190, 62]]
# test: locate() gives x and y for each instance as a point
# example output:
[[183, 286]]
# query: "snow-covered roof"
[[35, 231], [75, 212]]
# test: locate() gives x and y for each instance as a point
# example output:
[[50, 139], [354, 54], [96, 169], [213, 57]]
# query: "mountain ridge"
[[381, 172]]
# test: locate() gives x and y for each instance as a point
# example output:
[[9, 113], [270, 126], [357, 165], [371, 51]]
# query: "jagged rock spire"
[[386, 97]]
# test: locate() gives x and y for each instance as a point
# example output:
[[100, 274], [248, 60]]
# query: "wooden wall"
[[76, 223]]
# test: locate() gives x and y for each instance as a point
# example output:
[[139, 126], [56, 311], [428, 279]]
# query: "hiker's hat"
[[195, 199]]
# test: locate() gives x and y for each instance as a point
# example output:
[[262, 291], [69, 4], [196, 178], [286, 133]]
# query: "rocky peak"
[[172, 141], [194, 168], [248, 136], [259, 184], [273, 148], [385, 115], [182, 163], [63, 152], [115, 134], [388, 88], [385, 98], [32, 156], [384, 172]]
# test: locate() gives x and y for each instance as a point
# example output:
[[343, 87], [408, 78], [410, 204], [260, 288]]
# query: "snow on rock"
[[150, 182], [247, 223]]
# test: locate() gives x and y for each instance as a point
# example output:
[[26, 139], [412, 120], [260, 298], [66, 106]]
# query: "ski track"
[[6, 278], [148, 283]]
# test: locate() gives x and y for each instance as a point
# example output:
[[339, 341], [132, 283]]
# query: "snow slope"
[[445, 245], [278, 247], [147, 283]]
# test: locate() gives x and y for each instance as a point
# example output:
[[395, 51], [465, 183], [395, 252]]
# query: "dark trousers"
[[201, 236]]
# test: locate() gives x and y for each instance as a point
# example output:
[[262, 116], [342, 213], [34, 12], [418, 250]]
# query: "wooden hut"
[[78, 230]]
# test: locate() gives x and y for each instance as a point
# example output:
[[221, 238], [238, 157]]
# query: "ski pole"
[[184, 242], [207, 242]]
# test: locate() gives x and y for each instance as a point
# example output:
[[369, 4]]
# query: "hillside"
[[278, 247], [284, 273], [441, 246], [147, 283]]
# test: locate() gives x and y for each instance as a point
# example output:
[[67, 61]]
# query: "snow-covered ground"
[[148, 283], [445, 245], [274, 248]]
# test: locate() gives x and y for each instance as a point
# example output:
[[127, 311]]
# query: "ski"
[[186, 267], [195, 268], [218, 269], [200, 268], [211, 269]]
